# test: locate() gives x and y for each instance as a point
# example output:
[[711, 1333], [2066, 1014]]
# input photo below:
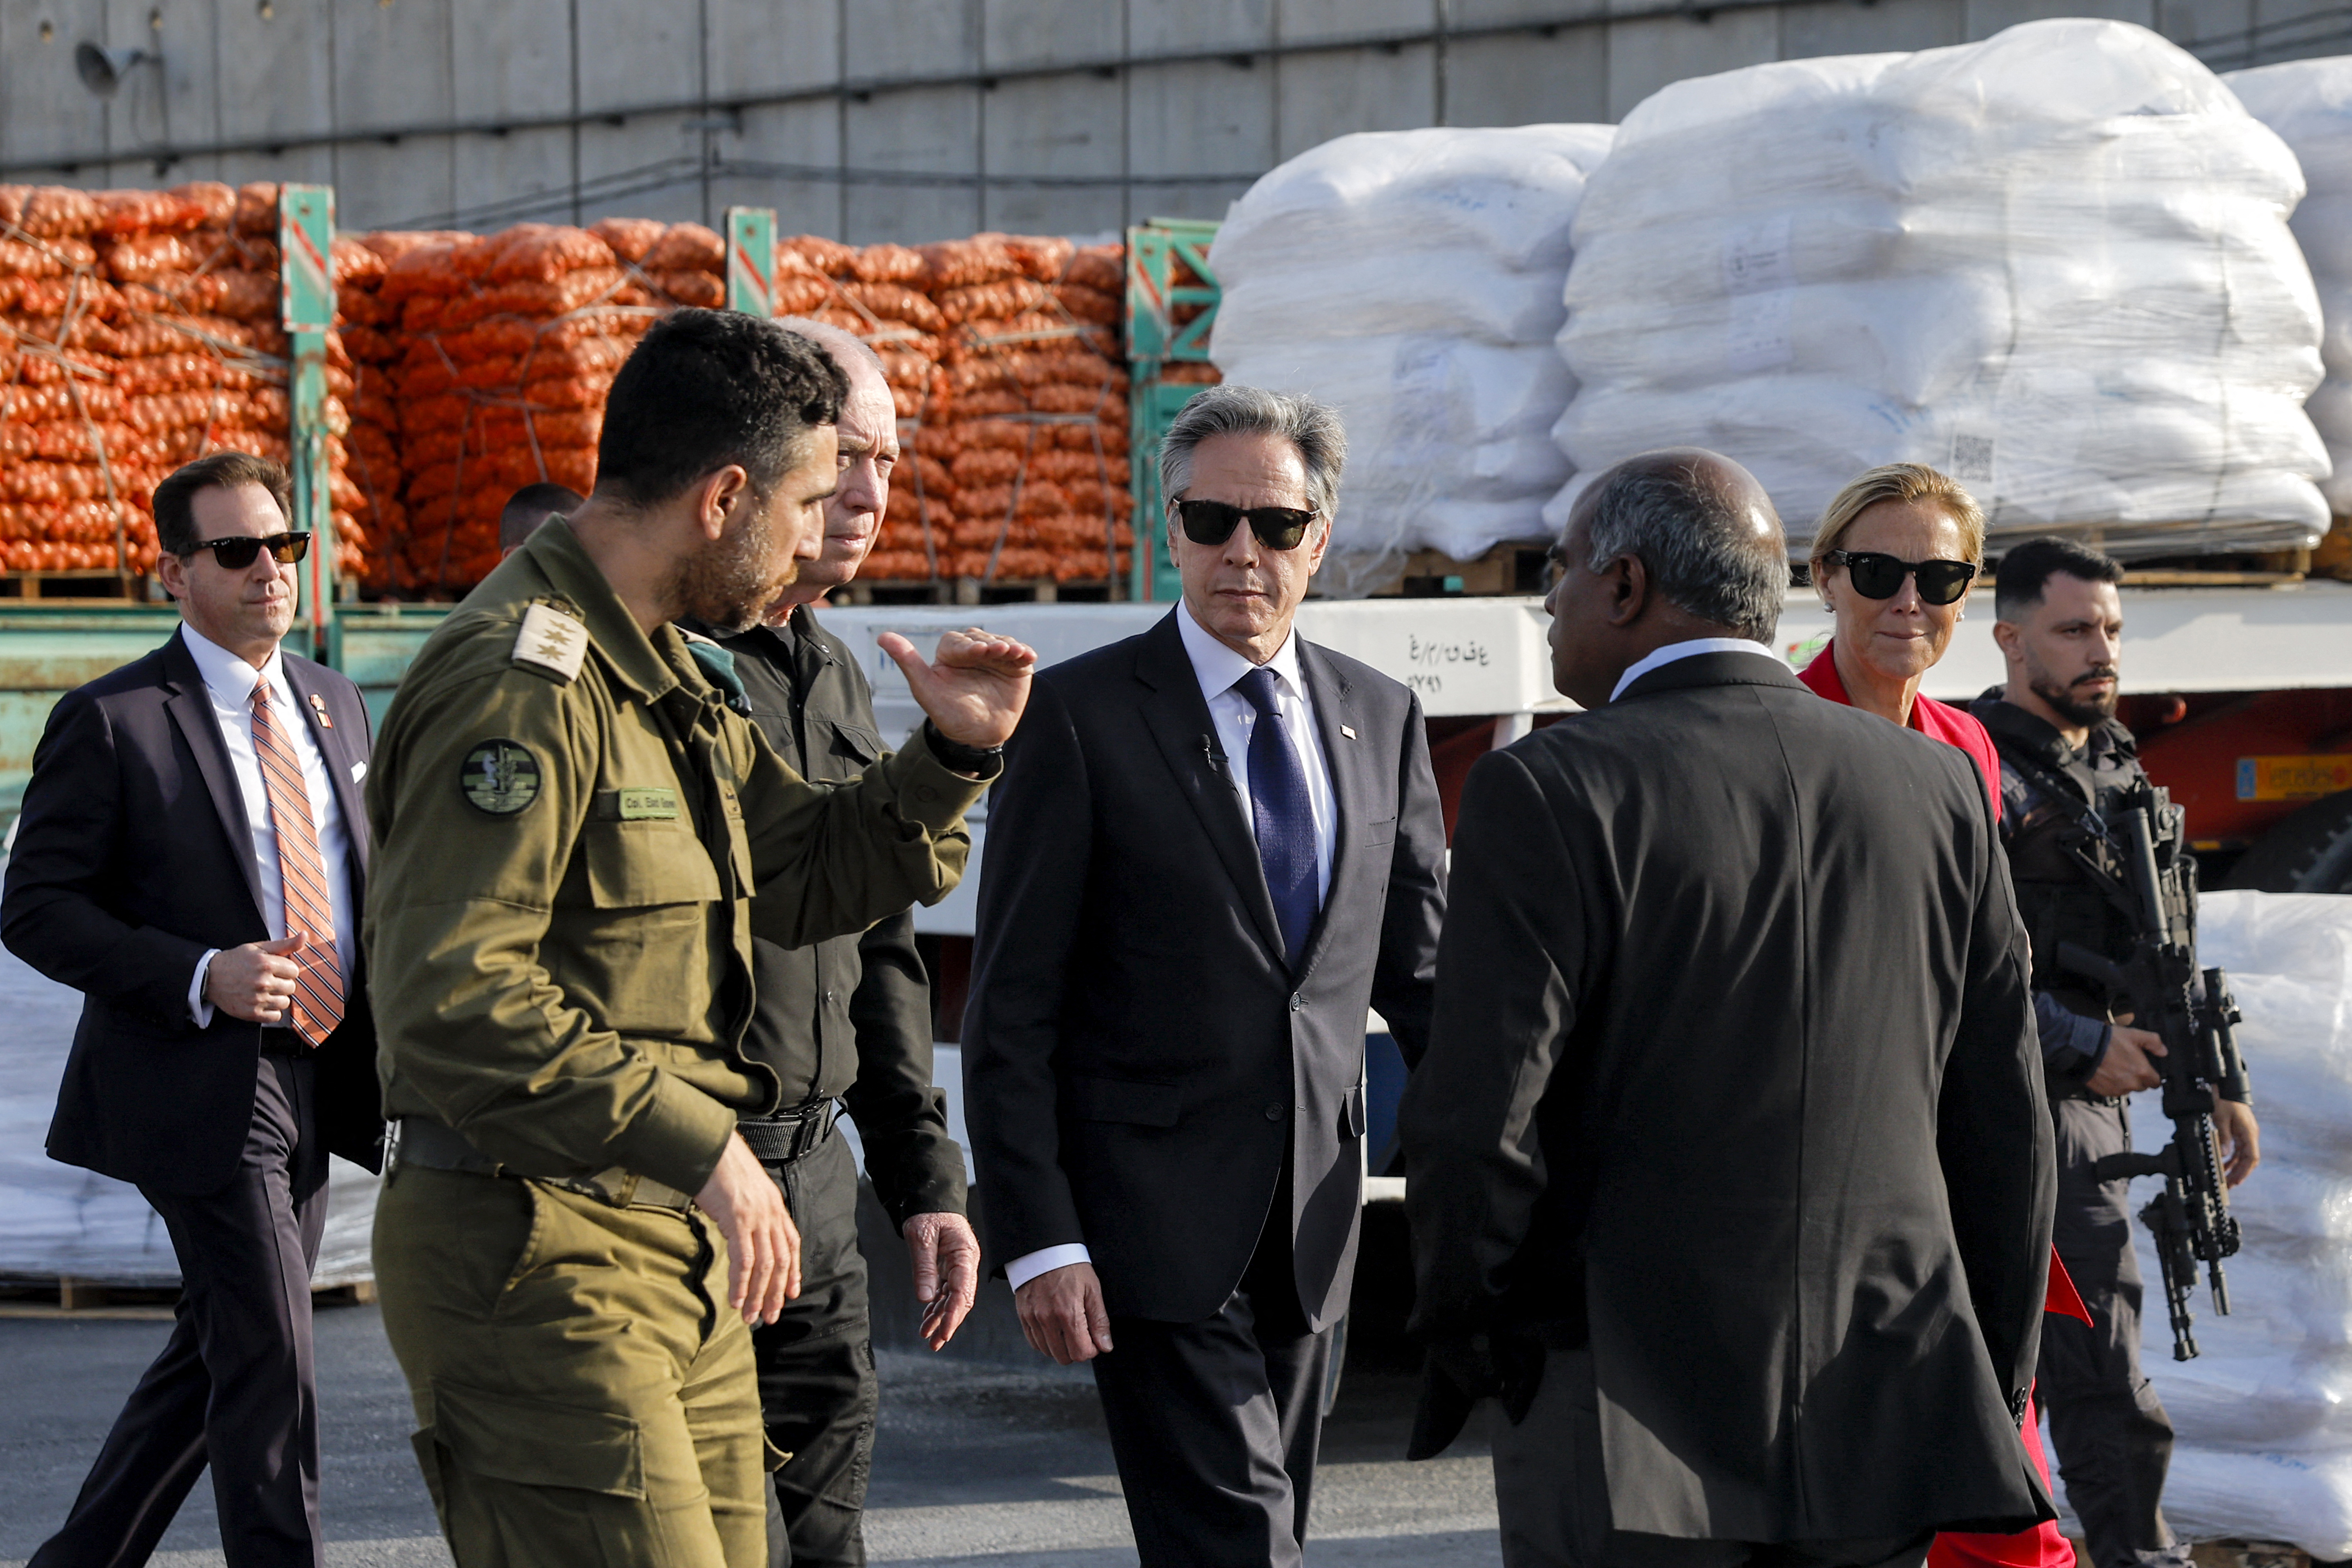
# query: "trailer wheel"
[[2308, 852]]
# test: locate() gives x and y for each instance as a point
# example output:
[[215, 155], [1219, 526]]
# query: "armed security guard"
[[847, 1019], [2066, 769], [576, 841]]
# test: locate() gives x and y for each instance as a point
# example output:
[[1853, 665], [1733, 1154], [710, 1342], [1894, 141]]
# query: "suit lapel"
[[1348, 760], [1178, 721], [191, 708]]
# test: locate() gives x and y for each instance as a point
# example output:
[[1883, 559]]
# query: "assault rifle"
[[2147, 872]]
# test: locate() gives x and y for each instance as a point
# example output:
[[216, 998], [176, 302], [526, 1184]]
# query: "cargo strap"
[[429, 1145], [788, 1136]]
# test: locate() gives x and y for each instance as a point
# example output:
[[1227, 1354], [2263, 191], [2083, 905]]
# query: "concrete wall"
[[905, 120]]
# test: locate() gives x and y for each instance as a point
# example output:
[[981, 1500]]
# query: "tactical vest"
[[2056, 898]]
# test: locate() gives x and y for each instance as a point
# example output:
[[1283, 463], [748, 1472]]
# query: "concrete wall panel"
[[911, 36], [1211, 117], [631, 55], [649, 167], [307, 67], [1201, 201], [1837, 28], [1060, 128], [798, 134], [1522, 79], [276, 76], [1987, 17], [48, 110], [934, 130], [392, 66], [191, 77], [1301, 20], [1049, 31], [1155, 26], [508, 57], [1317, 97], [761, 48], [1645, 56]]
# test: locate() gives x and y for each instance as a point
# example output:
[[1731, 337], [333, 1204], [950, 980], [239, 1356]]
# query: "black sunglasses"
[[1877, 576], [1212, 522], [236, 554]]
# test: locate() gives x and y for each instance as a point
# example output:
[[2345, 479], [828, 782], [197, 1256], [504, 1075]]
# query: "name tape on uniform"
[[645, 805], [552, 641]]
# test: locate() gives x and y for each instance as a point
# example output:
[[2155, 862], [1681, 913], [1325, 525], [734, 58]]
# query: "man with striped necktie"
[[192, 857]]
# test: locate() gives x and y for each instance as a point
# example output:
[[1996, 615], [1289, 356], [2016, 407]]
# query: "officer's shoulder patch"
[[499, 776], [552, 639]]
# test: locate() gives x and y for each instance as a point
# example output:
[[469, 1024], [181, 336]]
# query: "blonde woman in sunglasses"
[[1893, 559]]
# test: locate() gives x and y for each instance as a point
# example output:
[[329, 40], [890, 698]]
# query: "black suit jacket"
[[1733, 1075], [848, 1017], [1137, 1054], [132, 857]]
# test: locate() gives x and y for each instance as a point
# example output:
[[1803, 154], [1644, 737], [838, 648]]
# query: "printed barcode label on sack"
[[1756, 258]]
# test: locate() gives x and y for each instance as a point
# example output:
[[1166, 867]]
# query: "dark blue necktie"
[[1280, 813]]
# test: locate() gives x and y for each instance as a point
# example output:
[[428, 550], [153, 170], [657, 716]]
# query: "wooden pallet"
[[975, 591], [1515, 566], [104, 585]]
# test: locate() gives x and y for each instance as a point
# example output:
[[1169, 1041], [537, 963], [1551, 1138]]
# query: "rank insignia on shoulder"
[[552, 641], [499, 776]]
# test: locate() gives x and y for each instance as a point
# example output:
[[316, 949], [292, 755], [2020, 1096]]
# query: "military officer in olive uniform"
[[849, 1020], [2063, 761], [575, 843]]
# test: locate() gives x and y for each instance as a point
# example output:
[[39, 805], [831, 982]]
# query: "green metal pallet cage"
[[1159, 253]]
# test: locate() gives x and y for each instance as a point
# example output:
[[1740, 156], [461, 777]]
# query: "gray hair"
[[1693, 531], [1311, 426], [843, 346]]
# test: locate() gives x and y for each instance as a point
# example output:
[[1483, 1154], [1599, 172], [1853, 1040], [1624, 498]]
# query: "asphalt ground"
[[984, 1464]]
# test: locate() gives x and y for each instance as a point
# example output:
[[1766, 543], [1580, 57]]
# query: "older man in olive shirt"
[[845, 1020]]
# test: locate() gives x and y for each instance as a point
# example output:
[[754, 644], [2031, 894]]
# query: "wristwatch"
[[979, 761]]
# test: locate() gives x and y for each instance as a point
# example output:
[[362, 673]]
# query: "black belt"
[[786, 1136], [277, 1042], [427, 1143]]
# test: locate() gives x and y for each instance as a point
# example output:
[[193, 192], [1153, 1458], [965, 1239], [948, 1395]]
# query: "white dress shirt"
[[1659, 657], [229, 681], [1219, 668]]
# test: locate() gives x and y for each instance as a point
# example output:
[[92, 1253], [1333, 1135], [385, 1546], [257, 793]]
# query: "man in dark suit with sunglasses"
[[1731, 1175], [191, 857], [1214, 845]]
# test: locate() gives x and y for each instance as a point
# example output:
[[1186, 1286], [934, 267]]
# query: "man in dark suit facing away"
[[1214, 845], [191, 857], [1730, 1171]]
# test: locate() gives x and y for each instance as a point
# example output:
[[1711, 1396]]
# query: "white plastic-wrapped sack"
[[2265, 1413], [2056, 264], [59, 1220], [1414, 280], [2309, 104]]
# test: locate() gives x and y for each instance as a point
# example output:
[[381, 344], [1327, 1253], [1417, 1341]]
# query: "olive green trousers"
[[583, 1394]]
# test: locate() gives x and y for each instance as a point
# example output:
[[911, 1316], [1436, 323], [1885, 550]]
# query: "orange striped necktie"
[[310, 909]]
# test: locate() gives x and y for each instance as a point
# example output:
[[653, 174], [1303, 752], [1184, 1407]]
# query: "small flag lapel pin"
[[318, 706]]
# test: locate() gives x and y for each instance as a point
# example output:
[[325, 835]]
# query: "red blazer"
[[1937, 721]]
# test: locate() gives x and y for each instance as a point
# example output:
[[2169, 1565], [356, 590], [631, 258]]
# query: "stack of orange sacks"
[[1003, 358], [508, 344], [370, 330], [138, 330]]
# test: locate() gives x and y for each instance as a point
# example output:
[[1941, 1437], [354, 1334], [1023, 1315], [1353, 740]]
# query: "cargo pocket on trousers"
[[532, 1443]]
